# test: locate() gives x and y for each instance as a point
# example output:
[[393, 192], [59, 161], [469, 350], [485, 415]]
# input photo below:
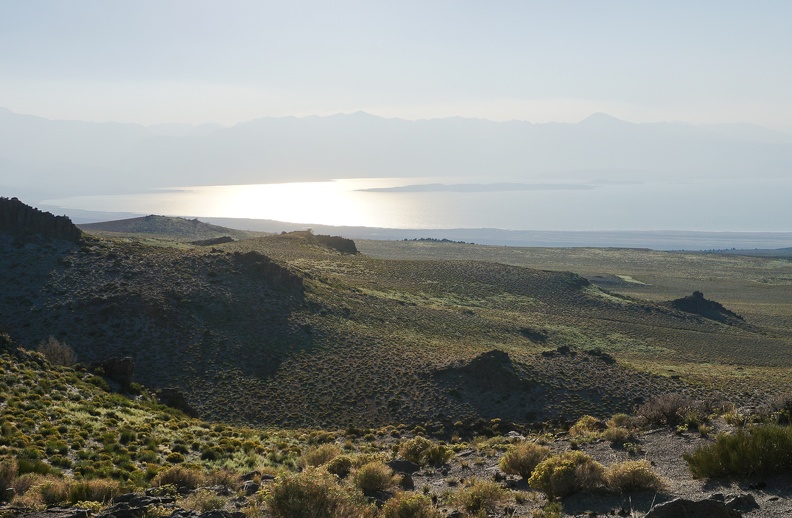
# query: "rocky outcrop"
[[213, 241], [23, 221], [698, 305], [173, 398], [258, 265], [337, 243], [716, 506], [490, 371], [118, 370]]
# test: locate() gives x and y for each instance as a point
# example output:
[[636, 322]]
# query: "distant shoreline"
[[651, 239]]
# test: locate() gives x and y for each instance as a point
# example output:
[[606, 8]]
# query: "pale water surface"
[[722, 205]]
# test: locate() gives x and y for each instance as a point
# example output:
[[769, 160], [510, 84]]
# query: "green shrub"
[[175, 457], [373, 476], [522, 458], [319, 455], [567, 473], [617, 435], [633, 475], [53, 490], [586, 426], [314, 493], [8, 472], [481, 495], [437, 454], [409, 505], [203, 501], [178, 476], [339, 466], [761, 450], [414, 449], [96, 490]]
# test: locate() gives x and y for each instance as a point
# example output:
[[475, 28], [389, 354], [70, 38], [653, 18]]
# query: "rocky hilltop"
[[22, 221]]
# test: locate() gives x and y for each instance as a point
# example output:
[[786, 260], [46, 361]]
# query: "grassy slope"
[[322, 338]]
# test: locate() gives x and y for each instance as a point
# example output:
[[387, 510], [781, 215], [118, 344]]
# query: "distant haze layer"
[[599, 174]]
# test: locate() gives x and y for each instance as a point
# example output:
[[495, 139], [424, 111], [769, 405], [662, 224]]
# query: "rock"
[[251, 475], [250, 487], [57, 512], [406, 482], [119, 370], [403, 466], [23, 221], [745, 502], [175, 399], [698, 305], [222, 514], [692, 509]]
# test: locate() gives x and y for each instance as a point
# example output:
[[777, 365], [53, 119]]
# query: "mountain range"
[[41, 157]]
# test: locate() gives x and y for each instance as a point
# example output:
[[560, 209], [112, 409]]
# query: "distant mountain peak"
[[600, 118]]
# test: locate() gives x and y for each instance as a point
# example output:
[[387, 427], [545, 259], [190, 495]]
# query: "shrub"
[[319, 455], [409, 505], [203, 501], [760, 450], [437, 454], [778, 409], [633, 475], [178, 476], [586, 426], [339, 466], [314, 493], [481, 495], [667, 409], [619, 420], [57, 352], [96, 490], [53, 490], [8, 472], [223, 477], [373, 476], [414, 449], [617, 435], [567, 473], [522, 458]]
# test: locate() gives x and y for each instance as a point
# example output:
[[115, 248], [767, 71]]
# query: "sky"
[[200, 61]]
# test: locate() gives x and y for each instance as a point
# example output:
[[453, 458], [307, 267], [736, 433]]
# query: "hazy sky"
[[153, 61]]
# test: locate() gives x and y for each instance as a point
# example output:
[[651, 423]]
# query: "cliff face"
[[21, 221]]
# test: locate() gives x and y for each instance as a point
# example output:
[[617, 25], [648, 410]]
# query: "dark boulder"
[[692, 509]]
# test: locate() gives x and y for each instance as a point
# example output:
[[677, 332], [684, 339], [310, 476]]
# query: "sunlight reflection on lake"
[[731, 205]]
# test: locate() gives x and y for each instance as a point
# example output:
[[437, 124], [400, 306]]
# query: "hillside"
[[165, 227], [286, 330]]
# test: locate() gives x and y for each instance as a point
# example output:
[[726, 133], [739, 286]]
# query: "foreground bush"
[[633, 475], [586, 426], [409, 505], [373, 476], [314, 493], [670, 410], [413, 450], [179, 476], [522, 458], [319, 455], [339, 466], [8, 472], [481, 495], [567, 473], [761, 450], [95, 490]]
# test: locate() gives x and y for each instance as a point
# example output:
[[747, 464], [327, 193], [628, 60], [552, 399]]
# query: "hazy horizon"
[[526, 115]]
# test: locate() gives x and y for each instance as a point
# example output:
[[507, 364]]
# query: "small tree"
[[57, 352]]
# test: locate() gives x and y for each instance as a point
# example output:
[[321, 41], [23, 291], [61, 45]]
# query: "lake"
[[437, 203]]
